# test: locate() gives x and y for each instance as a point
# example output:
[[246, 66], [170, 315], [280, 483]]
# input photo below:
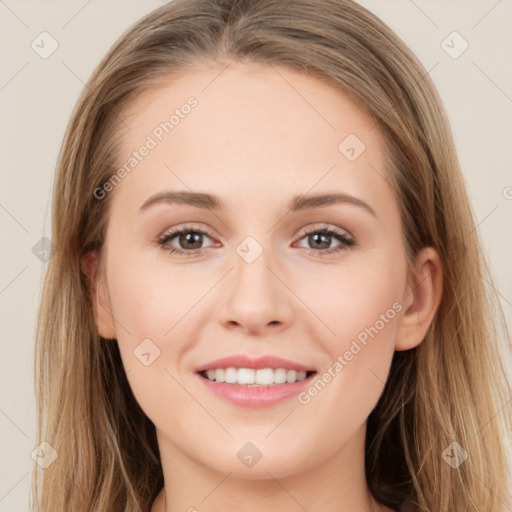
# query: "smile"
[[254, 378]]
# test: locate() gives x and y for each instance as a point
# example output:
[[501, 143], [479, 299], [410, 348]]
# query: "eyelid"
[[185, 227], [305, 231], [326, 227]]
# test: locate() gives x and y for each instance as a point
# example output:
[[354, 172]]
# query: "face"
[[260, 269]]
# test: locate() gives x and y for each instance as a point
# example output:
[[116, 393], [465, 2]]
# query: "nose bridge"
[[252, 278], [254, 297]]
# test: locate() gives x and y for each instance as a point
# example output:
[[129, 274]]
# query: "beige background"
[[37, 96]]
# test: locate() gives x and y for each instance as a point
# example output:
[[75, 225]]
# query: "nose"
[[256, 298]]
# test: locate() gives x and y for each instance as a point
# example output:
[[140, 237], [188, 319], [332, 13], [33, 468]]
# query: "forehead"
[[250, 96], [253, 126]]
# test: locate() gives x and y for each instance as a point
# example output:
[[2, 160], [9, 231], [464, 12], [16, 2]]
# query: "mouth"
[[251, 377], [248, 381]]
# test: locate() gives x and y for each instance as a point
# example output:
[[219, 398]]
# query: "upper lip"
[[245, 361]]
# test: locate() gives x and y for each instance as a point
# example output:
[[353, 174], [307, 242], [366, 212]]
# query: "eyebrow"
[[210, 202]]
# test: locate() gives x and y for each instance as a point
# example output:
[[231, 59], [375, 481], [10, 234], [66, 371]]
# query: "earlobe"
[[98, 293], [421, 299]]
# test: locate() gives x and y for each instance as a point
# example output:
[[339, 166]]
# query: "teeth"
[[251, 377]]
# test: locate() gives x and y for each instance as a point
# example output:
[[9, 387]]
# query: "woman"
[[261, 371]]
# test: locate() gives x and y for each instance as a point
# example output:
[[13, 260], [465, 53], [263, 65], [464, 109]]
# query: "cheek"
[[369, 312], [152, 300], [361, 305], [354, 298], [151, 308]]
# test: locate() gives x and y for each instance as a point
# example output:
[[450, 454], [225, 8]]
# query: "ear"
[[421, 299], [99, 296]]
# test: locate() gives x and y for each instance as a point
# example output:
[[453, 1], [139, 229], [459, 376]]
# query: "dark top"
[[407, 506]]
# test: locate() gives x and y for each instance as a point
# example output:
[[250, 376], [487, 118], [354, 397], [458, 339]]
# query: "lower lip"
[[257, 396]]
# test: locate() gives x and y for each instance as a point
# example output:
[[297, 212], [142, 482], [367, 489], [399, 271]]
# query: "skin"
[[255, 140]]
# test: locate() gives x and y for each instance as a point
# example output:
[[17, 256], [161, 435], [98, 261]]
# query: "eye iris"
[[317, 238], [191, 237]]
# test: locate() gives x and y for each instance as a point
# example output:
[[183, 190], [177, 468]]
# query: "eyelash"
[[324, 230]]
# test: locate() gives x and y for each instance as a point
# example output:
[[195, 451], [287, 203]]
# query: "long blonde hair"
[[451, 388]]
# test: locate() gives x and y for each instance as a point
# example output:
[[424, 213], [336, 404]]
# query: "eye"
[[323, 237], [189, 238]]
